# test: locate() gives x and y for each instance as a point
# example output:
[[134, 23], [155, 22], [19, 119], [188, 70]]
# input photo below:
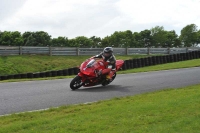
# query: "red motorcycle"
[[88, 75]]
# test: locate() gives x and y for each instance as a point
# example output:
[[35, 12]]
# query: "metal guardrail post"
[[126, 50], [186, 49], [169, 50], [20, 50], [148, 50], [77, 51], [50, 51]]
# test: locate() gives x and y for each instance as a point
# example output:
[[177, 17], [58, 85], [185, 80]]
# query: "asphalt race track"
[[36, 95]]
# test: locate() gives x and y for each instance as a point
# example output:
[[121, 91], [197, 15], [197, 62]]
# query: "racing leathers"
[[111, 65]]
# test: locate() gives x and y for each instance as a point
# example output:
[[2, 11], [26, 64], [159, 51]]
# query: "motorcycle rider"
[[108, 57]]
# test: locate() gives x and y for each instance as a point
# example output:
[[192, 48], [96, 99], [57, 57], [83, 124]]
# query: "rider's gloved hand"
[[92, 57]]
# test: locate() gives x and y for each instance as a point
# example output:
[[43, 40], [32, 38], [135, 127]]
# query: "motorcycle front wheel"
[[76, 83]]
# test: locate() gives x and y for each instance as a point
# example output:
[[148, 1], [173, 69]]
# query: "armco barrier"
[[76, 70], [198, 54], [71, 71], [60, 73], [186, 56], [124, 65], [142, 62], [150, 61], [54, 73], [179, 57], [128, 64], [10, 77], [24, 75], [36, 75], [131, 64], [48, 74], [42, 74], [158, 59], [3, 77], [65, 72], [154, 61], [134, 63], [17, 76], [29, 75], [146, 61]]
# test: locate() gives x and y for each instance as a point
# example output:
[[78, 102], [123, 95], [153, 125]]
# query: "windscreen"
[[91, 63]]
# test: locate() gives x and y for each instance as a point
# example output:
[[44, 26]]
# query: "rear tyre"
[[106, 82], [76, 83]]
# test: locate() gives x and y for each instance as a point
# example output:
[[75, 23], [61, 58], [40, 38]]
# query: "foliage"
[[189, 35], [155, 37], [60, 41], [39, 38], [8, 38]]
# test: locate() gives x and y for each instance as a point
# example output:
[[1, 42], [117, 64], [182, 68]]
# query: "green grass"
[[32, 63], [167, 111]]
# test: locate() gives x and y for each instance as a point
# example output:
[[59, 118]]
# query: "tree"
[[96, 41], [42, 38], [116, 39], [5, 38], [137, 40], [128, 38], [9, 38], [198, 37], [72, 43], [106, 42], [189, 35], [39, 38], [60, 41], [145, 38], [80, 41], [17, 39], [158, 36], [119, 39], [1, 34], [29, 39], [172, 40]]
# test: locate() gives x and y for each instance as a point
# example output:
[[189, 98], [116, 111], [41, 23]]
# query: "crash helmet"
[[107, 52]]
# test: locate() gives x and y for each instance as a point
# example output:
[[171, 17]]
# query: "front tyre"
[[76, 83]]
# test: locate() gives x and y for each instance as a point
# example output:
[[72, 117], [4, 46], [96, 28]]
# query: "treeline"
[[155, 37]]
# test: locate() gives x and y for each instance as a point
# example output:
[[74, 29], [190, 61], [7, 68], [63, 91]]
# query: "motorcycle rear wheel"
[[108, 82], [76, 83]]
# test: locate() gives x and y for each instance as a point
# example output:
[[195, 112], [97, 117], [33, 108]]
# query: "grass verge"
[[172, 110], [175, 65], [38, 63]]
